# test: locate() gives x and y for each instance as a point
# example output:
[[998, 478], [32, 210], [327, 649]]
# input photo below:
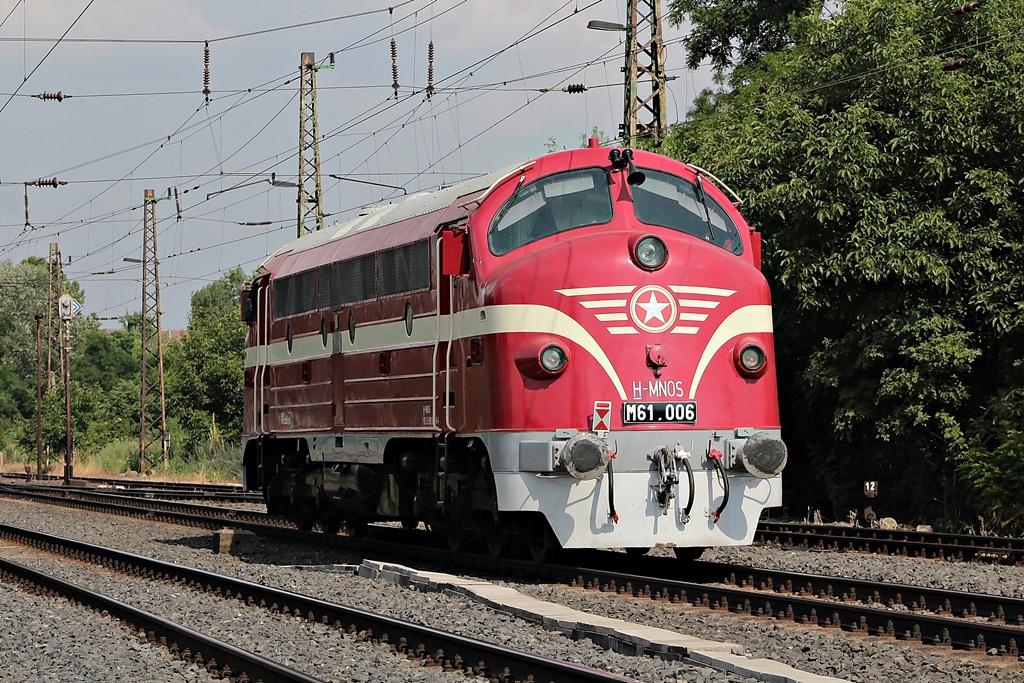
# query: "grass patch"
[[211, 463], [115, 459]]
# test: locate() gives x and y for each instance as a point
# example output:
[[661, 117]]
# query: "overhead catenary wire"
[[18, 242], [406, 117], [220, 39], [48, 53], [419, 173]]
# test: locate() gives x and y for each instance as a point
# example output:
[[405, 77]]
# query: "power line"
[[408, 117], [194, 41], [49, 52]]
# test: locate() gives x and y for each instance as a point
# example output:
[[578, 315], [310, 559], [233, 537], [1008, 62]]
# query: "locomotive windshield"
[[553, 204], [671, 202]]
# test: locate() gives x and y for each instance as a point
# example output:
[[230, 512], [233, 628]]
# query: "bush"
[[115, 458], [209, 461]]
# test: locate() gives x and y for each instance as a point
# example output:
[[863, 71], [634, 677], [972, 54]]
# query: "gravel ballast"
[[832, 653], [48, 639], [315, 649]]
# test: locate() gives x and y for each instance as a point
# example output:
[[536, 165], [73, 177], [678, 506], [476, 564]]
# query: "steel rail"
[[203, 515], [924, 544], [220, 659], [429, 646], [829, 611], [134, 483], [876, 619], [879, 594]]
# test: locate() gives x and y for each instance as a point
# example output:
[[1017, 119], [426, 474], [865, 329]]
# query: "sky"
[[137, 119]]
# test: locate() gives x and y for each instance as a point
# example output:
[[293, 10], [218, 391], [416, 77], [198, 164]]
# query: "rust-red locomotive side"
[[491, 358]]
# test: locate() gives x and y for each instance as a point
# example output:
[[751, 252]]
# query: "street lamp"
[[597, 25], [272, 180]]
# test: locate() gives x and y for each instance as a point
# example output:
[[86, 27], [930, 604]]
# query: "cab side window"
[[550, 205]]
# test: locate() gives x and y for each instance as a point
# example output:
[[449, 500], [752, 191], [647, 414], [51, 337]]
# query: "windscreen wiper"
[[704, 203], [509, 203]]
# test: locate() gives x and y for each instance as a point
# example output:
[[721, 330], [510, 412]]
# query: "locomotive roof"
[[417, 204]]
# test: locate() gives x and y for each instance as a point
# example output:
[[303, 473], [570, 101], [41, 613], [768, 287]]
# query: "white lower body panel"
[[578, 511]]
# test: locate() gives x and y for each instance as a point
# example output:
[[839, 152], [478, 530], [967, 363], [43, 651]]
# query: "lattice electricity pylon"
[[152, 408], [54, 330], [311, 210], [644, 62]]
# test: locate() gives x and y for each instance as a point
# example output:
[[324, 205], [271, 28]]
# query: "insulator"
[[394, 67], [59, 96], [430, 70], [52, 182], [966, 8], [177, 203], [254, 224], [331, 55], [206, 71], [27, 224], [954, 64], [575, 88]]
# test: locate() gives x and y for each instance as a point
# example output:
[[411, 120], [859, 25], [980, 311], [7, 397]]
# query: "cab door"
[[257, 357], [451, 265]]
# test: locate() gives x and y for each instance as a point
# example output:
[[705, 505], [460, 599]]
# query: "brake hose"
[[611, 491], [689, 501], [716, 458]]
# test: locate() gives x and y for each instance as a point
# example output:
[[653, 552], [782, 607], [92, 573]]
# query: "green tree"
[[889, 193], [205, 370], [23, 288], [735, 32], [104, 357]]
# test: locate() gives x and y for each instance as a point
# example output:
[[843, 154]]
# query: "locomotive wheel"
[[540, 541], [355, 529], [637, 552], [495, 543], [305, 523], [688, 553], [330, 525], [535, 544], [455, 538], [410, 523]]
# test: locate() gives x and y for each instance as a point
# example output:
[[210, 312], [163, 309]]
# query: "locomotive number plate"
[[682, 412]]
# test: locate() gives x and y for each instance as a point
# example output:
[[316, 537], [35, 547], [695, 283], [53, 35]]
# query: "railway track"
[[939, 617], [929, 545], [127, 483], [825, 537], [220, 659], [172, 490], [428, 646]]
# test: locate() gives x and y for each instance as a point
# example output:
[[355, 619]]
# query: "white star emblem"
[[653, 309]]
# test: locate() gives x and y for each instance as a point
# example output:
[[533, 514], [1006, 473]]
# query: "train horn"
[[635, 176], [622, 159]]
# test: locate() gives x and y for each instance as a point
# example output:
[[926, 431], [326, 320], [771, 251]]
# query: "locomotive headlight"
[[553, 358], [751, 359], [650, 253], [542, 359]]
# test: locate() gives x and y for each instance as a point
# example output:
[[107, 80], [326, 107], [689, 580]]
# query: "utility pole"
[[67, 313], [311, 210], [152, 408], [54, 343], [644, 62], [39, 394]]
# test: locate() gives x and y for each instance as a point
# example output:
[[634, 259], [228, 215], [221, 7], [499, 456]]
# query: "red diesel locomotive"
[[575, 351]]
